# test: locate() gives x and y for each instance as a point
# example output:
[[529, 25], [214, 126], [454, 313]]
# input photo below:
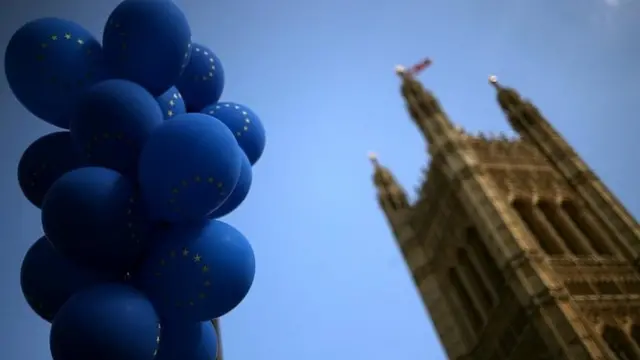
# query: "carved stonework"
[[523, 254]]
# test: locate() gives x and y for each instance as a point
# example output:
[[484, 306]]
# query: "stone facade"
[[536, 258]]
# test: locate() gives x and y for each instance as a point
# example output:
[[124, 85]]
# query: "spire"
[[382, 177], [422, 104], [520, 113], [373, 157], [418, 98], [507, 97], [390, 195]]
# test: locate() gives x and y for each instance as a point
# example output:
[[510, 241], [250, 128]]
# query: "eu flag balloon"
[[147, 42], [93, 216], [188, 167], [187, 340], [44, 161], [202, 81], [199, 271], [48, 279], [245, 125], [113, 121], [171, 103], [106, 322], [48, 63], [238, 194]]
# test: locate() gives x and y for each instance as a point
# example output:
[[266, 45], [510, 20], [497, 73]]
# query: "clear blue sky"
[[331, 283]]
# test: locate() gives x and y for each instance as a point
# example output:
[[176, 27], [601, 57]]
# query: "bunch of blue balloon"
[[134, 263]]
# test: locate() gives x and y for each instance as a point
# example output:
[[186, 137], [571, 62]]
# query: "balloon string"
[[216, 325]]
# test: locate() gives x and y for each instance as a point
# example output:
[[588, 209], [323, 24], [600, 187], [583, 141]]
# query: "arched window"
[[488, 262], [551, 213], [635, 334], [618, 343], [475, 318], [579, 288], [592, 231], [608, 288], [524, 211], [478, 284], [632, 287]]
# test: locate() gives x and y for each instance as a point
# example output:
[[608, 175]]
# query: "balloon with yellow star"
[[244, 124], [147, 42], [171, 103], [198, 271], [110, 321], [202, 81], [49, 63], [188, 167], [94, 216], [239, 193], [44, 161], [188, 340], [113, 120], [48, 279]]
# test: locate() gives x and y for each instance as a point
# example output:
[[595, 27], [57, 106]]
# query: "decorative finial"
[[400, 70], [373, 157], [493, 80]]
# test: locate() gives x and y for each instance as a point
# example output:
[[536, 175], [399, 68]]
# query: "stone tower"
[[518, 250]]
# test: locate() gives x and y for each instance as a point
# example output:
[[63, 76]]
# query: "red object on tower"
[[417, 68]]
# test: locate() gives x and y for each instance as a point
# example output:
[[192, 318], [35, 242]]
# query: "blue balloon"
[[106, 322], [44, 161], [48, 279], [188, 341], [49, 62], [202, 81], [93, 216], [147, 42], [199, 271], [188, 167], [238, 194], [113, 121], [245, 125], [171, 103]]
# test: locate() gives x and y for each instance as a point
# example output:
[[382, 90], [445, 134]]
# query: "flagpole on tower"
[[413, 70]]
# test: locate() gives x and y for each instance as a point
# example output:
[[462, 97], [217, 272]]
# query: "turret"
[[391, 197], [425, 110], [511, 103]]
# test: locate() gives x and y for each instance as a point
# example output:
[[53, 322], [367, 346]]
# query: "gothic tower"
[[517, 249]]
